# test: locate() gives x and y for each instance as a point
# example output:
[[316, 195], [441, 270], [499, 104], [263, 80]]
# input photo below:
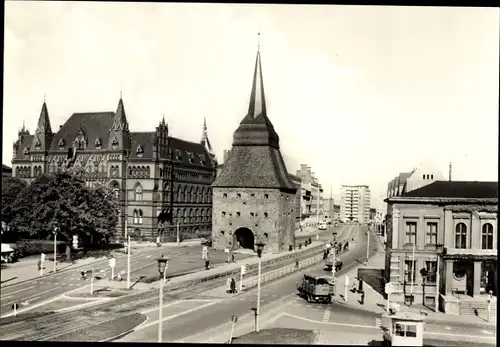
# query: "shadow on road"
[[10, 279], [374, 278]]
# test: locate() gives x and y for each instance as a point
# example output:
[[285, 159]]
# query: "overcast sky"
[[359, 93]]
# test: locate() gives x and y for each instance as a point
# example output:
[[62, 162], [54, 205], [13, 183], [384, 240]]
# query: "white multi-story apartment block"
[[355, 203]]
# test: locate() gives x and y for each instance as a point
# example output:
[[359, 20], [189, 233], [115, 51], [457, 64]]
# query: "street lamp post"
[[162, 269], [260, 248], [56, 229], [423, 273]]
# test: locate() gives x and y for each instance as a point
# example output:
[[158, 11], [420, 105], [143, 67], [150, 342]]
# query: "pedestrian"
[[324, 254], [228, 285], [84, 275], [296, 263], [207, 264], [39, 265], [233, 286], [354, 285], [232, 257]]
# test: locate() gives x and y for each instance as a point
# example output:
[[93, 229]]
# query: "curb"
[[126, 332]]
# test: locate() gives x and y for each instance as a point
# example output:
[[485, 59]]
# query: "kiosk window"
[[405, 330]]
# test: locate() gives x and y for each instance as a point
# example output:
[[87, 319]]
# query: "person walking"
[[232, 257], [228, 285], [207, 263], [233, 286], [39, 265]]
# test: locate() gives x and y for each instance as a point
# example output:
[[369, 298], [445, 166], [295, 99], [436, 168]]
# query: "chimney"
[[449, 173], [226, 156]]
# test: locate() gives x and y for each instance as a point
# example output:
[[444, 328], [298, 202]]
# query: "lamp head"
[[162, 264], [260, 247]]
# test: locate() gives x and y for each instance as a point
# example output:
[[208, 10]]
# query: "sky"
[[359, 93]]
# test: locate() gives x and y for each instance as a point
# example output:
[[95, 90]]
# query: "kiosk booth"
[[405, 329]]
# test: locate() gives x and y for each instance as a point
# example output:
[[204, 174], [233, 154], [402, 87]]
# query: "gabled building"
[[442, 245], [152, 173], [253, 197]]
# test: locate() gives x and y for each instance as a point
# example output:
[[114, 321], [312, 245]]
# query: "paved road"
[[188, 319], [143, 263], [202, 318]]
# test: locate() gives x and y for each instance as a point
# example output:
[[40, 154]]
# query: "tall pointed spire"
[[204, 134], [120, 120], [43, 121], [257, 105]]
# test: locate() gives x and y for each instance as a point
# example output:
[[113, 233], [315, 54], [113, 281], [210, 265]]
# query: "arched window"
[[136, 171], [140, 216], [186, 194], [180, 194], [185, 215], [130, 171], [197, 214], [136, 217], [461, 236], [193, 194], [138, 192], [209, 215], [115, 188], [487, 236], [148, 172]]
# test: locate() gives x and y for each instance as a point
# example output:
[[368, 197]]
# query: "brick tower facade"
[[253, 198]]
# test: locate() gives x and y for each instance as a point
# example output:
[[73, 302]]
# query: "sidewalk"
[[27, 269], [222, 270], [375, 302]]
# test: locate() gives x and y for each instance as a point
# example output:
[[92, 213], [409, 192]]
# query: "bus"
[[322, 226]]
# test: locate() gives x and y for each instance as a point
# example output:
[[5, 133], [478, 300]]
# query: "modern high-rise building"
[[355, 203]]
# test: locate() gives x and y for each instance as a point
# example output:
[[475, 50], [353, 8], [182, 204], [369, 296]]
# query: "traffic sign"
[[389, 289], [15, 306], [346, 280], [226, 250], [112, 262], [243, 269], [42, 257], [75, 241], [234, 318]]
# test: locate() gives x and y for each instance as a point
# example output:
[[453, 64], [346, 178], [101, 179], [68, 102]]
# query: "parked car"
[[207, 242]]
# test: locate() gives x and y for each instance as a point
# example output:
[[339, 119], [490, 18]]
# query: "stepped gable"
[[94, 124], [255, 159]]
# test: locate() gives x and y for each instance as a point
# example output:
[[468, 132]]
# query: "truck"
[[316, 288]]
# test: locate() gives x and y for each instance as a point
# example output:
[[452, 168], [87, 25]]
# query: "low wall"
[[253, 268]]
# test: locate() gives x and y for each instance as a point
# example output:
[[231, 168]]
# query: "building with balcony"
[[355, 203], [449, 229], [312, 197]]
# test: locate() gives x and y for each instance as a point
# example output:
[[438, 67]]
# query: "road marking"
[[175, 315], [487, 332], [448, 328], [90, 303], [461, 335], [33, 299], [17, 291], [166, 305], [29, 297], [330, 323], [326, 315]]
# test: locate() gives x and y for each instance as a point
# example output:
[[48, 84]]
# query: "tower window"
[[224, 195], [251, 214], [223, 213], [237, 214], [265, 214], [222, 232], [252, 195], [238, 195], [266, 196]]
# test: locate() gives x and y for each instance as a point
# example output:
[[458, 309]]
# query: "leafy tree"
[[63, 201], [11, 188]]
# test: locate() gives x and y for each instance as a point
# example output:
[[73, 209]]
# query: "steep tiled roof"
[[145, 140], [457, 189], [255, 160], [95, 125], [256, 167], [26, 141], [187, 147]]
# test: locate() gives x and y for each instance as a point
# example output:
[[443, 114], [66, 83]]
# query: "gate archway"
[[245, 237]]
